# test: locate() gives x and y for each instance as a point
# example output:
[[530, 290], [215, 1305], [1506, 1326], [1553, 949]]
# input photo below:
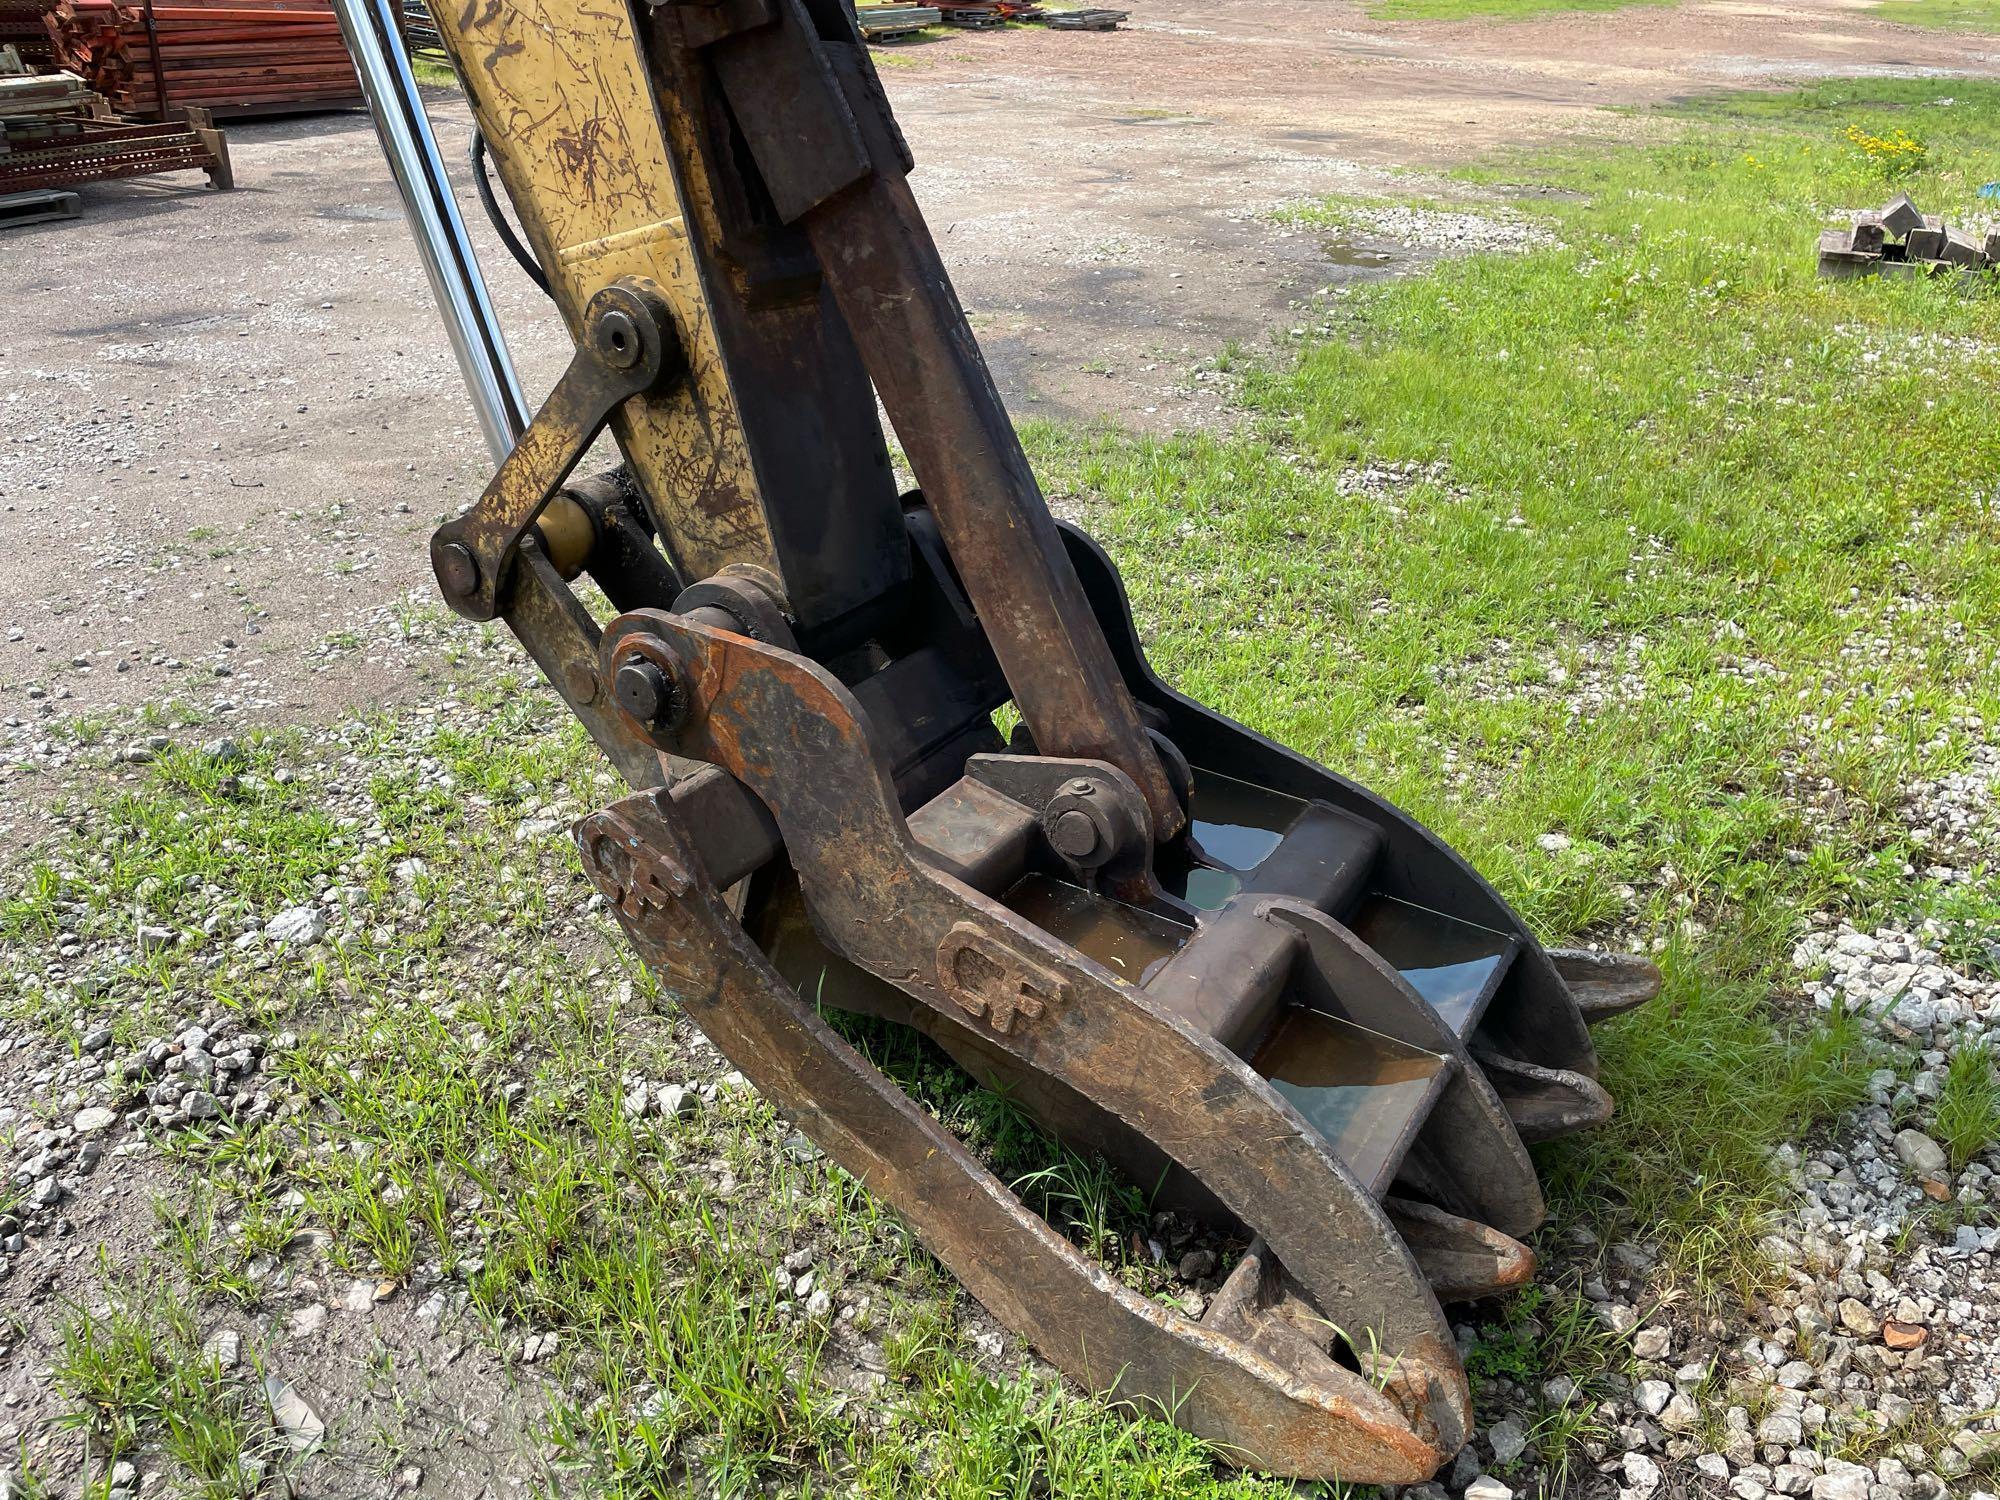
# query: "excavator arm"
[[1174, 942]]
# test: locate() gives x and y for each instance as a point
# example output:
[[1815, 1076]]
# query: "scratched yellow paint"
[[560, 91]]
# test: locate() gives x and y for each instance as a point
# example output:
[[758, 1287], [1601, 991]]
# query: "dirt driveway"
[[230, 422]]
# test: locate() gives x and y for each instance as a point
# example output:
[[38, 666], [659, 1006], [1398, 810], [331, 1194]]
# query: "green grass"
[[454, 1107], [135, 1374], [433, 72], [1948, 15], [1967, 1119], [1644, 590]]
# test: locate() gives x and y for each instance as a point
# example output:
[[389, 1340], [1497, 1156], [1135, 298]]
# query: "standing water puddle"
[[1362, 1091], [1129, 942], [1237, 825], [1450, 963]]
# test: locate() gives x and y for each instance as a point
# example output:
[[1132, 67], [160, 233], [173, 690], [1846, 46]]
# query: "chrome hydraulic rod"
[[390, 87]]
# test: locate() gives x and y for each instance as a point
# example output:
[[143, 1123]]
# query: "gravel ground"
[[219, 482]]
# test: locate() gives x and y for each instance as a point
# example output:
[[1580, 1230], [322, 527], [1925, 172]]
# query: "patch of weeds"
[[1487, 10], [212, 1264], [28, 912], [697, 1361], [1969, 916], [136, 1373], [1504, 1352], [1893, 155], [1968, 1106], [967, 1436], [1545, 1331], [1937, 1223], [1946, 15], [920, 1343]]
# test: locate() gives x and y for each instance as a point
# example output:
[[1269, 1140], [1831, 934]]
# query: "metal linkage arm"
[[629, 346], [800, 89]]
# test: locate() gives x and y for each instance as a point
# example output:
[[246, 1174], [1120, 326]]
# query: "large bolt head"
[[646, 692], [618, 340], [581, 682], [1074, 834], [456, 568]]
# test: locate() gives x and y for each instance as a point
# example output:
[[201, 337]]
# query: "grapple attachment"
[[1251, 985], [1303, 1020]]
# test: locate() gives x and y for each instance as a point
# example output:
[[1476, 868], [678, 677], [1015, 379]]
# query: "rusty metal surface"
[[886, 274], [1080, 1317], [791, 733], [1545, 1104], [629, 346], [1464, 1259], [1606, 984]]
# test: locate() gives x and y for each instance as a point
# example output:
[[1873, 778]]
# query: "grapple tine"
[[1464, 1260], [1606, 984], [1545, 1103]]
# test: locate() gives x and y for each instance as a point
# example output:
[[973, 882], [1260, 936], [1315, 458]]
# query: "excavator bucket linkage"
[[1224, 968]]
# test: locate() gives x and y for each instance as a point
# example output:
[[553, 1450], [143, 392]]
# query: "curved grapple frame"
[[1174, 942]]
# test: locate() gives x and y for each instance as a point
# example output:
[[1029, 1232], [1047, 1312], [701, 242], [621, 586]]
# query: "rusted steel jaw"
[[1255, 1377], [1236, 1042]]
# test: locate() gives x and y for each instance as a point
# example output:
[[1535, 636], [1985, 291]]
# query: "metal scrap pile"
[[884, 23], [1902, 240], [420, 32], [889, 21], [22, 29], [242, 57], [981, 13], [55, 133], [1084, 20]]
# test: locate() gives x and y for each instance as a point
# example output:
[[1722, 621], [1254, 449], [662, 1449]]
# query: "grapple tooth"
[[1606, 984], [1545, 1103], [1263, 1306], [1463, 1260]]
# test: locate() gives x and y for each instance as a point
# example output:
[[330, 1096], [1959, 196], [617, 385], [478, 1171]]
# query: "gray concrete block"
[[1924, 244], [1961, 249], [1901, 216]]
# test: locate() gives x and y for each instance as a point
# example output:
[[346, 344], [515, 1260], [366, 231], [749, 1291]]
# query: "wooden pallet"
[[1084, 20], [35, 206]]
